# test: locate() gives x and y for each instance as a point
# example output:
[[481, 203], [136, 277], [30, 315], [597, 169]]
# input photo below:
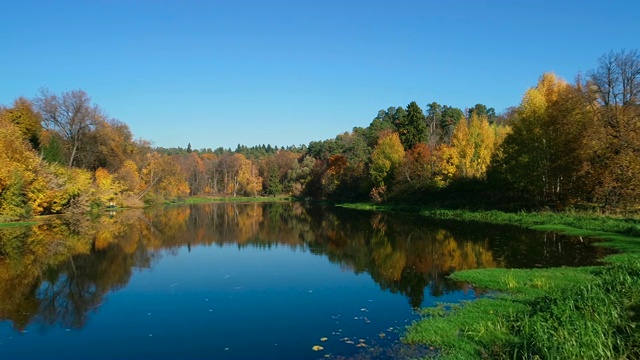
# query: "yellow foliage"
[[55, 186], [461, 141], [446, 164], [15, 155], [249, 180], [535, 100], [107, 187], [386, 156], [129, 177]]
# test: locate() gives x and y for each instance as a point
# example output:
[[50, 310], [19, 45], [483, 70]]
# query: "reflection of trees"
[[57, 272], [51, 274], [402, 256]]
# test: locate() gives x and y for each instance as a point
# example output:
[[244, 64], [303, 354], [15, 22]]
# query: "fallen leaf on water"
[[382, 335], [317, 348], [323, 339], [361, 345]]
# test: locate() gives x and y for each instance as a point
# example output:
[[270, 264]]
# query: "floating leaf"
[[323, 339], [317, 348]]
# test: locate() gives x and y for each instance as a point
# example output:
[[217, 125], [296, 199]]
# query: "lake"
[[245, 281]]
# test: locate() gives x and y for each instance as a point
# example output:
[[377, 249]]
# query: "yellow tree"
[[543, 156], [249, 180], [614, 91], [18, 167], [107, 188], [387, 156], [129, 176], [162, 179], [445, 164], [58, 189], [27, 120], [482, 138], [461, 142]]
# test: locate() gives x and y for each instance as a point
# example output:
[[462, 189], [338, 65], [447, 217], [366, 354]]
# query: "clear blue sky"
[[217, 73]]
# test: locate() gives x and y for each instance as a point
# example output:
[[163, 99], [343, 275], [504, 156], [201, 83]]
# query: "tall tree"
[[481, 110], [543, 158], [71, 114], [451, 116], [615, 89], [412, 128], [434, 119]]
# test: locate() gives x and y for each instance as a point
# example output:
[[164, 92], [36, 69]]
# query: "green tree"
[[412, 128], [434, 122], [451, 116], [273, 185], [481, 110]]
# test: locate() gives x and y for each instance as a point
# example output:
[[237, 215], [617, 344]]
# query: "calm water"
[[244, 281]]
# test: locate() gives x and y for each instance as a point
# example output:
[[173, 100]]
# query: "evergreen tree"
[[412, 128]]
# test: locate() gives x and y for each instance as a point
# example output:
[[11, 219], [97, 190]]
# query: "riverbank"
[[207, 199], [18, 223], [190, 200], [559, 313]]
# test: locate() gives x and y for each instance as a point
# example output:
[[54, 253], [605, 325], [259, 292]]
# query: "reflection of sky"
[[229, 303]]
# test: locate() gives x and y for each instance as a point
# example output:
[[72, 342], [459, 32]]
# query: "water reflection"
[[58, 272]]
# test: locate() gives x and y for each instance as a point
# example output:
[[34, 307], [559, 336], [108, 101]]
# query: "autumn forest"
[[568, 144]]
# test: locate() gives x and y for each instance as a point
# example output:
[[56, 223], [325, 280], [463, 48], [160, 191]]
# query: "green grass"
[[202, 200], [584, 221], [557, 313], [18, 223]]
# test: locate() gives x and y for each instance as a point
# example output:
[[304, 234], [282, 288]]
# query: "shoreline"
[[588, 312]]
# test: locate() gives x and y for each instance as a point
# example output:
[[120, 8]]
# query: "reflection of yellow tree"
[[389, 262], [248, 222], [440, 252], [26, 253]]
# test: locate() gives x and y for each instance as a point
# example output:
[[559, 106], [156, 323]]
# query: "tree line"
[[567, 144]]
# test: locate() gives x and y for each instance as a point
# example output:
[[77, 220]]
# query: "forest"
[[567, 145]]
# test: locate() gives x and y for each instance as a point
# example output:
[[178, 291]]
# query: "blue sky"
[[218, 73]]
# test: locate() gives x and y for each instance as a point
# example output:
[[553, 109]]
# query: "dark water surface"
[[244, 281]]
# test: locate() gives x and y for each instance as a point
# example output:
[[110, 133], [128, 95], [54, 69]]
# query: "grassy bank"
[[18, 223], [560, 313]]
